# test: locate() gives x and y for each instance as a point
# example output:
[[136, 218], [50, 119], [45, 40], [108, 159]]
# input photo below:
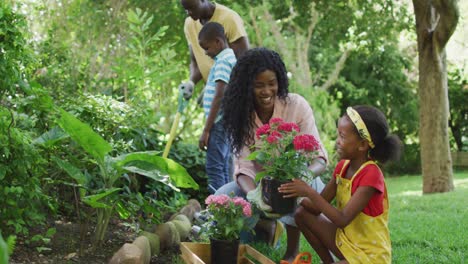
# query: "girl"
[[256, 93], [356, 231]]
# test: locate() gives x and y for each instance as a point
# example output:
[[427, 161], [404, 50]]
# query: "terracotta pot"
[[272, 197], [224, 251]]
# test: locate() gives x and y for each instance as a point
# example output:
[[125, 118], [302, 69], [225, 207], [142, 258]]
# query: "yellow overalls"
[[366, 239]]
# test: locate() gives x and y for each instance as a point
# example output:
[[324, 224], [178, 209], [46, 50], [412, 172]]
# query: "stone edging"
[[149, 244]]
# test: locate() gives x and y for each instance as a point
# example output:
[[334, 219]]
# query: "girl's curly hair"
[[238, 101]]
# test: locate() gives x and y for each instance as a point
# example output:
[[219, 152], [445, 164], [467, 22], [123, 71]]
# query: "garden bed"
[[64, 246]]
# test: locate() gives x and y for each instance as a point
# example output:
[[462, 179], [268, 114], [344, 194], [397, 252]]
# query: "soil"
[[64, 246]]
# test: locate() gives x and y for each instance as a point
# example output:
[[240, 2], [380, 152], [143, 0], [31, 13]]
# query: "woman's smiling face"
[[265, 91]]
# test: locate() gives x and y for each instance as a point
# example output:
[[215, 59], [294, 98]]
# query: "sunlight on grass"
[[428, 228]]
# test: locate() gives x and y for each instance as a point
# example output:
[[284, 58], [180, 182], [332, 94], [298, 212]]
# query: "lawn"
[[423, 228]]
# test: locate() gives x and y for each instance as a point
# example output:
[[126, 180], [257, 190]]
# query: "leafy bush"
[[24, 203], [100, 190], [22, 166], [458, 92]]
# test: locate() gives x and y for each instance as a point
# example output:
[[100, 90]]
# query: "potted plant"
[[226, 218], [285, 154]]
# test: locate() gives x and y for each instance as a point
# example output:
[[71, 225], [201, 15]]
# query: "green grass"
[[423, 228]]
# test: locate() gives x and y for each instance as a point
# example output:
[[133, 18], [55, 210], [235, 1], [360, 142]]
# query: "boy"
[[213, 139]]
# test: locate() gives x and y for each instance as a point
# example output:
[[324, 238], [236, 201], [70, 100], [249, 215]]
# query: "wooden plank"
[[200, 253], [257, 255], [195, 253]]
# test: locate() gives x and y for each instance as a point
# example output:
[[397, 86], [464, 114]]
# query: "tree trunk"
[[436, 20]]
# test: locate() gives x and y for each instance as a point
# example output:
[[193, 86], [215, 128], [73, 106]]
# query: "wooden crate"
[[199, 253]]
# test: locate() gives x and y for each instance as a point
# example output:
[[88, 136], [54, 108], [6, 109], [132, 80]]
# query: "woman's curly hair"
[[238, 101]]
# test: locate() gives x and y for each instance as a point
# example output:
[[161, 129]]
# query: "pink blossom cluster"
[[224, 201], [263, 130], [275, 128], [246, 208], [305, 142], [217, 199], [288, 127], [274, 137]]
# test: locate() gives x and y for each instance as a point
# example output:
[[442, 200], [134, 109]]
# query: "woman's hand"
[[296, 188]]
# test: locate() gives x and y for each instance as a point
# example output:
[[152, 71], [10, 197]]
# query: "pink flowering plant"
[[283, 152], [226, 217]]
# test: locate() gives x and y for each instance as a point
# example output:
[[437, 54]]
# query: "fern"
[[11, 243], [3, 251]]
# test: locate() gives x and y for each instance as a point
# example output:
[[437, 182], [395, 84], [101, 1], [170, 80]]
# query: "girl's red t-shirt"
[[372, 176]]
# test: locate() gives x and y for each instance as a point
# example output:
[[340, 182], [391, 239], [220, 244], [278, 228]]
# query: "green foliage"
[[3, 251], [103, 196], [43, 240], [193, 160], [384, 85], [15, 54], [21, 168], [458, 94]]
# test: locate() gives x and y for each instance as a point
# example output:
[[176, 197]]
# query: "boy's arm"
[[215, 105]]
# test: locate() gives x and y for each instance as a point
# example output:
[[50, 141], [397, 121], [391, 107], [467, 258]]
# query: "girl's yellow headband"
[[360, 125]]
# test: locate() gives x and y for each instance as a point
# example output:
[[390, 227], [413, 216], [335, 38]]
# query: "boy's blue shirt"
[[221, 71]]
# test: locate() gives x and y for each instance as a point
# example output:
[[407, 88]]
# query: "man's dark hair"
[[211, 31]]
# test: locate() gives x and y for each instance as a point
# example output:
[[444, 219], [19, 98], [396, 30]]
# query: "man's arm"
[[240, 46], [215, 105], [195, 74]]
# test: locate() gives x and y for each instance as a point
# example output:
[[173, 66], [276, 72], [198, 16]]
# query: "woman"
[[257, 92]]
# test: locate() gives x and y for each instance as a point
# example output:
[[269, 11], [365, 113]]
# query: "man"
[[199, 13]]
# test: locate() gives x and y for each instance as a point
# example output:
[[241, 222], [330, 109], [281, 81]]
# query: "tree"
[[436, 21]]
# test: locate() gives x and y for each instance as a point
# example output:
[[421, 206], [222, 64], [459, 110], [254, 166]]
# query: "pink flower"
[[275, 120], [281, 152], [246, 209], [217, 199], [274, 137], [263, 130], [224, 214], [305, 142], [288, 127]]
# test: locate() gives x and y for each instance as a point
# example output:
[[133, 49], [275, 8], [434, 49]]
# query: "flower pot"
[[224, 251], [272, 197]]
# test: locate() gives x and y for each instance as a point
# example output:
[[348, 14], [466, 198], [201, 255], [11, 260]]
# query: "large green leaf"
[[3, 251], [73, 172], [82, 133], [93, 200], [160, 169], [50, 137]]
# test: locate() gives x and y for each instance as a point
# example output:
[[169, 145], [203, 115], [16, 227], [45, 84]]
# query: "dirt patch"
[[65, 246]]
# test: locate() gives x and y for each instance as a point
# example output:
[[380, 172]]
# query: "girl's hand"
[[296, 188]]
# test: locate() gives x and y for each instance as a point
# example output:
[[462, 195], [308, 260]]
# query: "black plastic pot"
[[272, 197], [224, 251]]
